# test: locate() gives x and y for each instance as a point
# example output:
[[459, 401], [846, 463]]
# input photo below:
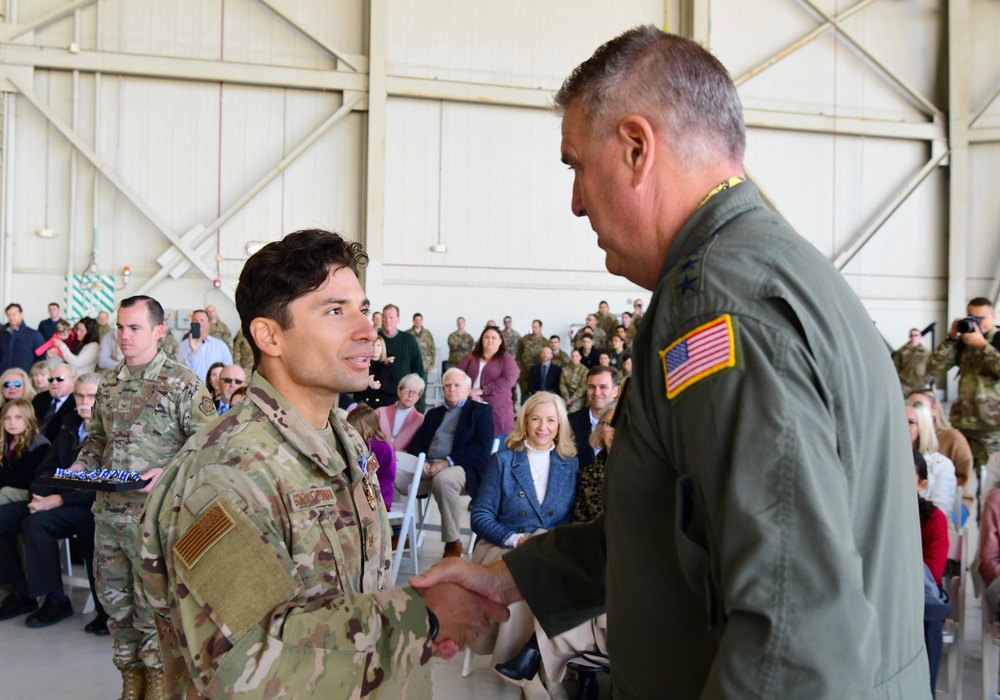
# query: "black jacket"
[[579, 421], [61, 455], [473, 439], [50, 428]]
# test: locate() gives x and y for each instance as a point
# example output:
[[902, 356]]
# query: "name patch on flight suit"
[[708, 349], [311, 498]]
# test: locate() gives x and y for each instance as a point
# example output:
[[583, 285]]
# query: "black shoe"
[[98, 626], [16, 604], [522, 667], [586, 685], [51, 612]]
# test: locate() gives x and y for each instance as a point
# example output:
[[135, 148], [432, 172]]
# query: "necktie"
[[545, 372], [223, 407]]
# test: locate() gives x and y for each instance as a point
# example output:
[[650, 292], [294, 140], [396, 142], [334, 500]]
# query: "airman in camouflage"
[[510, 337], [911, 363], [145, 410], [218, 329], [600, 337], [242, 354], [460, 344], [168, 344], [606, 320], [573, 383], [425, 341], [526, 354], [559, 356], [266, 547], [976, 410]]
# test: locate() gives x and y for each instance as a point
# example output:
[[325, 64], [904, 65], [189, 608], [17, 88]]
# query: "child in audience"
[[364, 419], [23, 449]]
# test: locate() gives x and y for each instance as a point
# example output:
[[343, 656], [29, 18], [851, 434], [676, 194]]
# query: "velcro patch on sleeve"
[[208, 529], [708, 349], [206, 406]]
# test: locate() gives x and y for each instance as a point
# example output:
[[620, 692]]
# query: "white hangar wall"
[[169, 137]]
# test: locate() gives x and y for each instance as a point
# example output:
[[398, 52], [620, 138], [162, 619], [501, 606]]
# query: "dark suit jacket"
[[50, 428], [551, 379], [473, 440], [579, 421], [60, 456]]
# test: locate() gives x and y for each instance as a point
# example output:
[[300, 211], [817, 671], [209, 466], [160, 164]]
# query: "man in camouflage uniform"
[[976, 410], [265, 547], [573, 383], [460, 344], [559, 356], [425, 341], [600, 337], [146, 409], [218, 329], [510, 337], [606, 320], [526, 354], [104, 324], [168, 344], [911, 363], [242, 354]]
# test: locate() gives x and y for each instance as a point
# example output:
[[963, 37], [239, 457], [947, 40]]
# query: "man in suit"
[[53, 408], [545, 375], [231, 378], [456, 440], [18, 341], [602, 387]]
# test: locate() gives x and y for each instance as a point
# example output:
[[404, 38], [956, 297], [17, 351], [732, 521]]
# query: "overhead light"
[[439, 248], [45, 233], [253, 246]]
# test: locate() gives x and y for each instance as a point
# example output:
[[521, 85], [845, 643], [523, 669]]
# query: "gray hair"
[[412, 381], [88, 378], [672, 81], [455, 370]]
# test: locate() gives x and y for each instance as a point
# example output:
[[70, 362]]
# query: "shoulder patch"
[[206, 406], [205, 532], [708, 349]]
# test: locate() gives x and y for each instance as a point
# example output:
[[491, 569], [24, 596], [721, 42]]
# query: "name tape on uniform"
[[708, 349], [311, 498]]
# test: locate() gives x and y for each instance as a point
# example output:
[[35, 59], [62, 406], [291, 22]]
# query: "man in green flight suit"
[[265, 547], [759, 538], [975, 349]]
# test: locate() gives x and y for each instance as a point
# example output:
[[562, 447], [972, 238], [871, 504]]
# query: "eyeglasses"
[[57, 379], [409, 392], [231, 380], [8, 385]]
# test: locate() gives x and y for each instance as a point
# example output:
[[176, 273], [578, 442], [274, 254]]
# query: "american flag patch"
[[704, 351]]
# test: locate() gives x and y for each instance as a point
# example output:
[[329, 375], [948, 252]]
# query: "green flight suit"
[[760, 536]]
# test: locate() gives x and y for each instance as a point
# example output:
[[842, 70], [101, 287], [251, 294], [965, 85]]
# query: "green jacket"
[[267, 569], [760, 536]]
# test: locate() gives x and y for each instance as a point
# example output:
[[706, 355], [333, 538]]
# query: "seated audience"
[[364, 419], [934, 543], [400, 421], [573, 382], [529, 487], [199, 350], [951, 443], [15, 384], [24, 446], [81, 352], [989, 552], [382, 384], [51, 515], [602, 388], [456, 440], [212, 380], [231, 379], [545, 375], [590, 356], [494, 373], [53, 408], [941, 481], [40, 373], [109, 354]]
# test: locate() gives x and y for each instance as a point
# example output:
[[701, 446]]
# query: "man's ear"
[[637, 139], [268, 336]]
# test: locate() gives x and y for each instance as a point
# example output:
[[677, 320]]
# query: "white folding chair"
[[953, 634], [408, 471], [76, 581]]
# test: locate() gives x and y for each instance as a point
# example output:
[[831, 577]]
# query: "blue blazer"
[[507, 503]]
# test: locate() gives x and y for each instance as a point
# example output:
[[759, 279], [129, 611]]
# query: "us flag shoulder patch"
[[708, 349]]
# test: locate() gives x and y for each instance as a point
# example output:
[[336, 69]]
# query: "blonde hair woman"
[[15, 384], [941, 480]]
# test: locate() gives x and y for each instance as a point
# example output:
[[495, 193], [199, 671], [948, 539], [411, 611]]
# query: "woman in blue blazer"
[[529, 487]]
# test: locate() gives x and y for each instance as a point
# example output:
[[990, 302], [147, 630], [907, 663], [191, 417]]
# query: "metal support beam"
[[19, 30], [860, 240], [825, 124], [984, 135], [343, 57], [378, 47], [453, 91], [173, 261], [111, 176]]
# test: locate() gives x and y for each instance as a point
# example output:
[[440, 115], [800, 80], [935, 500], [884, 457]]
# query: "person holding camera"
[[973, 344], [199, 350]]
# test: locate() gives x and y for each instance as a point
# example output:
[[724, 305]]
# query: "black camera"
[[969, 324]]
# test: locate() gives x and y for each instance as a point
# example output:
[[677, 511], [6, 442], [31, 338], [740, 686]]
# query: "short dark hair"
[[198, 311], [153, 307], [505, 318], [283, 271], [14, 306], [540, 324], [601, 369], [418, 314], [602, 302], [478, 350], [980, 301], [52, 303], [387, 306], [555, 337]]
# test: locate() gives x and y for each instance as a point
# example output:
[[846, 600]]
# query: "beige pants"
[[9, 494], [447, 487], [558, 651]]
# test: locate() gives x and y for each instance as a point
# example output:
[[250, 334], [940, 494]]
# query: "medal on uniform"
[[366, 482]]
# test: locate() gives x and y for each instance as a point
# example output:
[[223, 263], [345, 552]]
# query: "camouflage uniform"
[[608, 323], [573, 386], [139, 423], [560, 359], [976, 410], [221, 331], [631, 330], [527, 357], [242, 352], [425, 341], [600, 338], [460, 344], [911, 366], [104, 330], [168, 344], [267, 566], [510, 339]]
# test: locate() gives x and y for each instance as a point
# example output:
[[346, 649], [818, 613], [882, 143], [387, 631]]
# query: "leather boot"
[[586, 685], [154, 684], [525, 663], [133, 683]]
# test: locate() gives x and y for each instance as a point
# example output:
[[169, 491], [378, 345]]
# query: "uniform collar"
[[151, 370]]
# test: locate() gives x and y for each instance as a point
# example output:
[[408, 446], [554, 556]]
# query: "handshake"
[[465, 598]]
